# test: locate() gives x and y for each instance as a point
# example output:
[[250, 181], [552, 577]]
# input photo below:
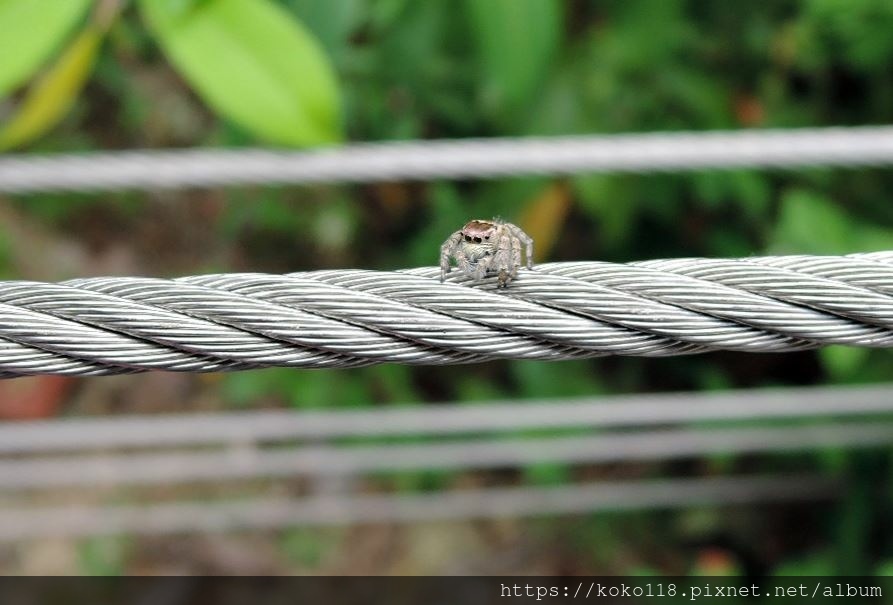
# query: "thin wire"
[[172, 468], [448, 159], [271, 426], [270, 513], [351, 318]]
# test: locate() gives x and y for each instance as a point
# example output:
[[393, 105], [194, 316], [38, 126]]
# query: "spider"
[[481, 247]]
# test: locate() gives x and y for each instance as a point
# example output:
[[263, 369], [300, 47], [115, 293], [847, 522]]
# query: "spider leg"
[[480, 269], [503, 259], [447, 250], [528, 244], [516, 256]]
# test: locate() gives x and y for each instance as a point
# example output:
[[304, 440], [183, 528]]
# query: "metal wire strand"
[[17, 523], [351, 318], [193, 467], [258, 428], [369, 162]]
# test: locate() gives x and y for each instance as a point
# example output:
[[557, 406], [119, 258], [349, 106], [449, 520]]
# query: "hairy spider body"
[[482, 247]]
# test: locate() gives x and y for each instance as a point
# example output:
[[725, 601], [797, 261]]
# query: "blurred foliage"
[[248, 59], [309, 72], [516, 44], [104, 556], [29, 32], [50, 97], [252, 63]]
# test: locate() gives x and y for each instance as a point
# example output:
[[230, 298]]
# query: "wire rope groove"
[[275, 327], [384, 316], [688, 283], [350, 318], [631, 309], [787, 284], [477, 305]]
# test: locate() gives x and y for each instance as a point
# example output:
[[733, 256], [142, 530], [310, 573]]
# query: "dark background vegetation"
[[444, 69]]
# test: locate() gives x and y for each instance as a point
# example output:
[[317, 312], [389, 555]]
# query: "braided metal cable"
[[350, 318], [447, 159]]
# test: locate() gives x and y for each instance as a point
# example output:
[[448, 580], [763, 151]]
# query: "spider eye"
[[477, 240], [467, 238], [486, 237]]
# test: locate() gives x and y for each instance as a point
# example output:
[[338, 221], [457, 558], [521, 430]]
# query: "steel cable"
[[350, 318], [244, 455], [193, 467], [448, 159], [260, 427], [17, 523]]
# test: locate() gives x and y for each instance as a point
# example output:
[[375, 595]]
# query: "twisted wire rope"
[[351, 318], [433, 159]]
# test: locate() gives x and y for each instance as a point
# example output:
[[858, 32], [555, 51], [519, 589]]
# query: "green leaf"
[[30, 30], [812, 224], [331, 21], [611, 202], [254, 64], [49, 99], [842, 362], [517, 41]]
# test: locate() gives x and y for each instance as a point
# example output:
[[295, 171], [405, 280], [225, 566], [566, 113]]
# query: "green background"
[[398, 69]]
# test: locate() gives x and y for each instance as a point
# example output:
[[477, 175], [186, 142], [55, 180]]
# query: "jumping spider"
[[487, 246]]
